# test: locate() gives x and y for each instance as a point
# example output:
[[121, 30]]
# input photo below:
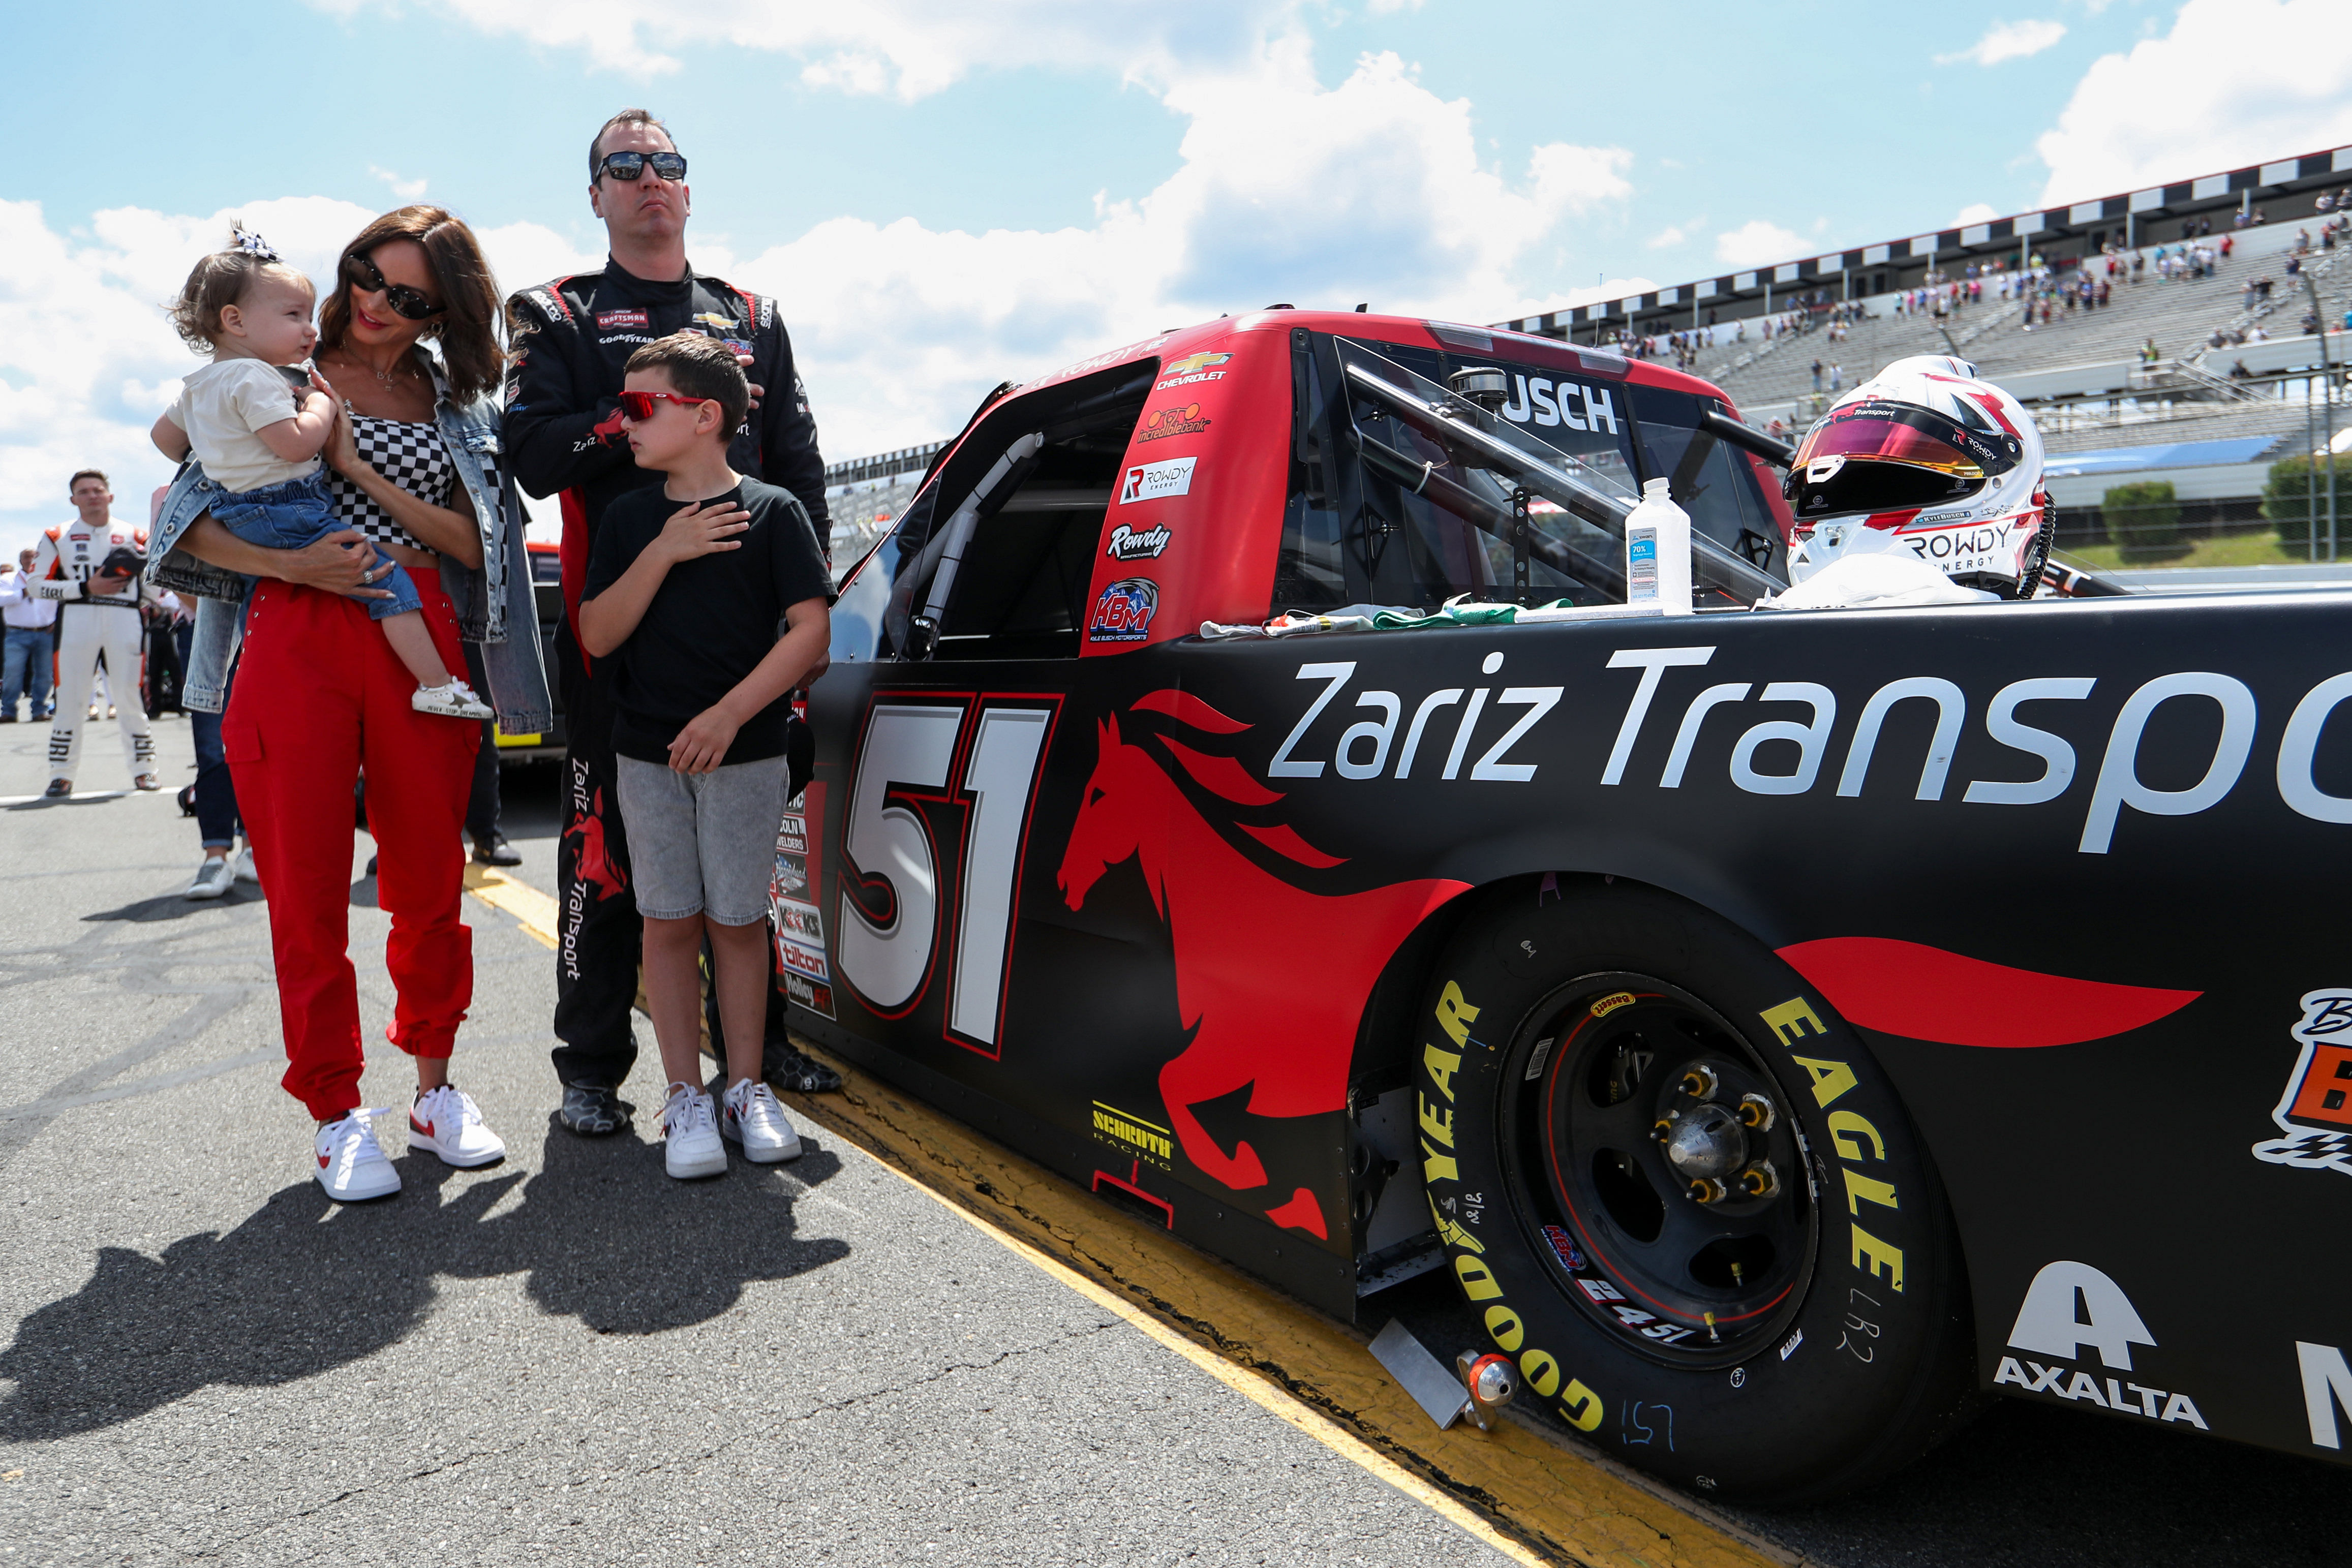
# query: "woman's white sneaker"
[[213, 878], [691, 1146], [453, 699], [752, 1118], [446, 1121], [352, 1166]]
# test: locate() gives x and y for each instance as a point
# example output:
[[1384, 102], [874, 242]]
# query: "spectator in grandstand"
[[1837, 378], [1817, 375], [2147, 355], [2237, 372]]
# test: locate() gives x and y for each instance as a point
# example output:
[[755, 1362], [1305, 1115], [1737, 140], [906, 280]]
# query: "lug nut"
[[1663, 1129], [1757, 1113], [1698, 1082], [1760, 1180], [1707, 1190]]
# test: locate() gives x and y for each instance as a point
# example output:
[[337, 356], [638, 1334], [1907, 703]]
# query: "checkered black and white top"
[[411, 457]]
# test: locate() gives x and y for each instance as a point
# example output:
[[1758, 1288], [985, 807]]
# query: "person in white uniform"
[[89, 567]]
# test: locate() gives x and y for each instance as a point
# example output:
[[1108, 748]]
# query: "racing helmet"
[[1928, 457]]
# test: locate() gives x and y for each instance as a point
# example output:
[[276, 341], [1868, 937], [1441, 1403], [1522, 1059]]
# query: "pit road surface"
[[564, 1358]]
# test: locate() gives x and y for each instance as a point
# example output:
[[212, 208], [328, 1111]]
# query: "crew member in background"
[[90, 566], [574, 338], [32, 640]]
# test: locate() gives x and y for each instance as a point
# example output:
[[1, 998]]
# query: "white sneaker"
[[454, 700], [352, 1166], [213, 878], [691, 1141], [752, 1117], [245, 871], [446, 1121]]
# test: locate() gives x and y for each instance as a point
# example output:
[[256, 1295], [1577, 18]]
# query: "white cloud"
[[1974, 212], [406, 190], [910, 48], [1673, 233], [1285, 189], [2205, 97], [2008, 41], [1757, 243], [1390, 7]]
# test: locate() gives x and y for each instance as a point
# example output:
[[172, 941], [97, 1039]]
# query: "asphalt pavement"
[[565, 1357]]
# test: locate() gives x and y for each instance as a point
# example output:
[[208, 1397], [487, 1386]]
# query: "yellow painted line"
[[1520, 1488], [532, 910]]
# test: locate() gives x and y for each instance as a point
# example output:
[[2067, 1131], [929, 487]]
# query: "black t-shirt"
[[711, 621]]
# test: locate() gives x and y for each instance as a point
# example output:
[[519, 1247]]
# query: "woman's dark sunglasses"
[[362, 269], [631, 166]]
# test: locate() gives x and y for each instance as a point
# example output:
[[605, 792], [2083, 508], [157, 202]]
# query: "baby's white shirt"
[[221, 406]]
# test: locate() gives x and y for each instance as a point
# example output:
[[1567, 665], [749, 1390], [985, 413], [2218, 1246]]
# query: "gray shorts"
[[702, 842]]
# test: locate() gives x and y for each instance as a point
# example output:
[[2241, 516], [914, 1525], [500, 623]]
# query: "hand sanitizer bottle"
[[1657, 553]]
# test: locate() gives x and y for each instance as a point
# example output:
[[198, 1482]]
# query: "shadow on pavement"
[[304, 1287], [174, 906]]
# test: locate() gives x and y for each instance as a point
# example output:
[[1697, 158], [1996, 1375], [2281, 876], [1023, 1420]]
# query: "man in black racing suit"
[[574, 338]]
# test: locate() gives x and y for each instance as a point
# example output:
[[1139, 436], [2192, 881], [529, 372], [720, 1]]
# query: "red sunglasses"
[[638, 406]]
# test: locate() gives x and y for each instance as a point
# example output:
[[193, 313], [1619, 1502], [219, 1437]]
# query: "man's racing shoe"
[[453, 699], [752, 1118], [691, 1146], [494, 850], [352, 1166], [795, 1074], [591, 1110], [446, 1121], [147, 783], [58, 789], [213, 878]]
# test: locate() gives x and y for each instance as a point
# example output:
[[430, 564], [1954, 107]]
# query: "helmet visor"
[[1882, 431]]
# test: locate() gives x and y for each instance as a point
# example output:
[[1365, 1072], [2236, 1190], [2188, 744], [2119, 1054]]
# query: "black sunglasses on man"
[[670, 166]]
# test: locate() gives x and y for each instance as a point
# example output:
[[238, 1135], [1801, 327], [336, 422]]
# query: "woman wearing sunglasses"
[[409, 340]]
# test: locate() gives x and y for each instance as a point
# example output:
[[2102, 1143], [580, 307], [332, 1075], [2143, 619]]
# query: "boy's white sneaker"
[[446, 1121], [453, 699], [691, 1146], [213, 878], [352, 1166], [752, 1117]]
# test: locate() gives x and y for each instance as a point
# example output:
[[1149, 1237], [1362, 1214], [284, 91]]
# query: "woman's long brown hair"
[[468, 327]]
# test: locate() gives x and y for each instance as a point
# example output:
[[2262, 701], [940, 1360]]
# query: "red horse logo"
[[1271, 979]]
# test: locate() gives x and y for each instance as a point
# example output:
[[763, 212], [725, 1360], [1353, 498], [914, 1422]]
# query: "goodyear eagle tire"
[[1676, 1189]]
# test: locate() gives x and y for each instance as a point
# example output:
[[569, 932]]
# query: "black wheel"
[[1677, 1188]]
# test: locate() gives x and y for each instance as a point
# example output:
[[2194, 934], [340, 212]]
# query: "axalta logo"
[[1133, 1134], [1158, 481], [2071, 1308], [1135, 544], [1123, 611], [2314, 1111]]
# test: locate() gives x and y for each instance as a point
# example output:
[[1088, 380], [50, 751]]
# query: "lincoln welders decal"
[[2314, 1111], [1225, 913]]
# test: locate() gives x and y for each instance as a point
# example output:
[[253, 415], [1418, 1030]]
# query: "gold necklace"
[[384, 379]]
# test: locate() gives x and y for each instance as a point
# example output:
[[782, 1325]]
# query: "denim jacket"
[[494, 604]]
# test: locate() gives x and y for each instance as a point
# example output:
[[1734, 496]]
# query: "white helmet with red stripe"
[[1928, 457]]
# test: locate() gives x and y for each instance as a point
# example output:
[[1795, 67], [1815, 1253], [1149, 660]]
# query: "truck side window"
[[1715, 484], [1021, 592]]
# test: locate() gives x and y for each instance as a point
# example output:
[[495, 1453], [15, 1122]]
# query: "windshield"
[[1403, 494]]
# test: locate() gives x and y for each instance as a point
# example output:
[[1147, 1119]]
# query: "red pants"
[[319, 691]]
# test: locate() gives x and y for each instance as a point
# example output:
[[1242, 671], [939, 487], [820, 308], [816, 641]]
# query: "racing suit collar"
[[648, 289]]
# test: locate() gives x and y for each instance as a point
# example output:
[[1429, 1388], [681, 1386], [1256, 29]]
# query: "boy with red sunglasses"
[[686, 598]]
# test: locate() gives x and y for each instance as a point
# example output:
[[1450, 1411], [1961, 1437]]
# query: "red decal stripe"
[[1186, 709], [1283, 840], [1301, 1213], [1223, 775], [1926, 993]]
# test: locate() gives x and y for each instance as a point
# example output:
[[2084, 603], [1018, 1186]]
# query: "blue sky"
[[944, 197]]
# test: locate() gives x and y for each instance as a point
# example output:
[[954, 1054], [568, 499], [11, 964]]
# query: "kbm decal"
[[1123, 613], [1158, 481], [1161, 423], [606, 319], [1135, 544], [1154, 1143], [1553, 403], [2316, 1109], [2068, 1307]]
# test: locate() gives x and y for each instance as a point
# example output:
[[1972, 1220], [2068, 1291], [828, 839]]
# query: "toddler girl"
[[257, 430]]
